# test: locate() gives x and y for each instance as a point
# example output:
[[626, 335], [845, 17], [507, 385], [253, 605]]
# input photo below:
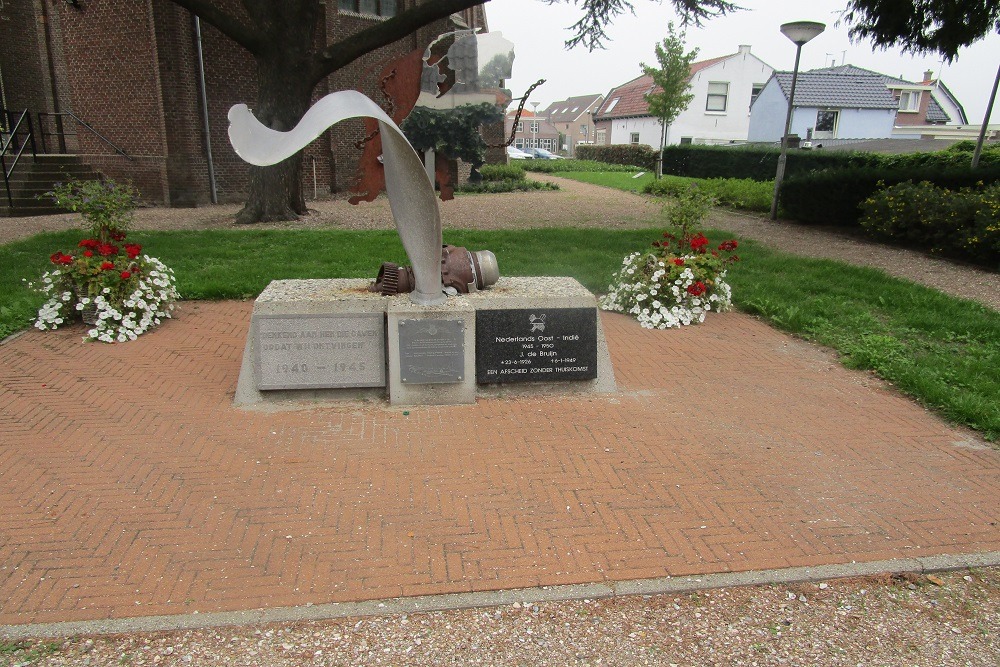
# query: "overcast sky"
[[539, 30]]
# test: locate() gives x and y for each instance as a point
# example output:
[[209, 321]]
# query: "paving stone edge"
[[409, 605]]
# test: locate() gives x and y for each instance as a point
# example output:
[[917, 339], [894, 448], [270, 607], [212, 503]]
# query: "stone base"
[[313, 300]]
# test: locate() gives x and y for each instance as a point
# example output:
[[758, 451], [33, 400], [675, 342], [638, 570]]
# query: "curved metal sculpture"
[[411, 194]]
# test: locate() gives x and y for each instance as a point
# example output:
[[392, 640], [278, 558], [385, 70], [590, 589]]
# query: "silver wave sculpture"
[[411, 193]]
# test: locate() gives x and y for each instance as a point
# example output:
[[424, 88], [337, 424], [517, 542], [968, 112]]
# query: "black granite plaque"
[[431, 351], [537, 345]]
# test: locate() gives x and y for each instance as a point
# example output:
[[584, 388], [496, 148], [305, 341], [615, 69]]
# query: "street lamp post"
[[534, 125], [799, 32]]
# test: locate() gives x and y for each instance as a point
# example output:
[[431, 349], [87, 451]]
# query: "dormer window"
[[909, 100]]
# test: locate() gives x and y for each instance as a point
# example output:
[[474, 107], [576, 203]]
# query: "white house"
[[849, 102], [723, 90]]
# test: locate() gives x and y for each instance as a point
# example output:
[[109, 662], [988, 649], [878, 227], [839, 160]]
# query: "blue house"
[[847, 102]]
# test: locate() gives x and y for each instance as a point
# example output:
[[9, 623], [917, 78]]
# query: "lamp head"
[[801, 32]]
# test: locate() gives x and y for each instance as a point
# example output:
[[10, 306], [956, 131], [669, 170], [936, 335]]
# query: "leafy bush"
[[508, 185], [453, 132], [555, 166], [741, 193], [834, 197], [502, 172], [625, 154], [960, 223]]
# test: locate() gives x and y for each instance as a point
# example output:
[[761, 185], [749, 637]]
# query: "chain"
[[388, 107], [517, 116]]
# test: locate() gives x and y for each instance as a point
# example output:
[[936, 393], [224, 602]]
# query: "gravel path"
[[916, 621], [578, 205], [948, 619]]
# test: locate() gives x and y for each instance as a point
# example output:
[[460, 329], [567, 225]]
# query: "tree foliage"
[[672, 77], [923, 26], [673, 81]]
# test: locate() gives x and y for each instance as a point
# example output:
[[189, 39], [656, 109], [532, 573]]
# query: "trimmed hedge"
[[760, 164], [555, 166], [744, 193], [627, 154], [834, 197], [502, 172]]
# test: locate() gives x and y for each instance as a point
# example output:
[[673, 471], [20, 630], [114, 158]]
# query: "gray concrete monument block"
[[312, 340]]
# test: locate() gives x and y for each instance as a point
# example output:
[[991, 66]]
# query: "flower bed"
[[107, 283]]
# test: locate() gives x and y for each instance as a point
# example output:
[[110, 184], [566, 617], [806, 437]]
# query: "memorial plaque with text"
[[319, 351], [536, 345], [431, 351]]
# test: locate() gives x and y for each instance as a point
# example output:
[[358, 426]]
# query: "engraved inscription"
[[536, 345], [319, 351], [431, 351]]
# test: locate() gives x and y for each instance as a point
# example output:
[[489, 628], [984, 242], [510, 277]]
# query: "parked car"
[[542, 154], [517, 154]]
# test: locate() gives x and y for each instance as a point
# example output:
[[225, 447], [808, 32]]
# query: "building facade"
[[133, 72], [723, 89]]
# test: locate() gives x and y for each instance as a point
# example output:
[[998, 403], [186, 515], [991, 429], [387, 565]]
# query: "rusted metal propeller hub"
[[462, 270]]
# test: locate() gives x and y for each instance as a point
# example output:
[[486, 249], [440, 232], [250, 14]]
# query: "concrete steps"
[[36, 176]]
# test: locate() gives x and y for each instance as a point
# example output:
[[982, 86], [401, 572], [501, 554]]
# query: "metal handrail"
[[61, 133], [30, 138]]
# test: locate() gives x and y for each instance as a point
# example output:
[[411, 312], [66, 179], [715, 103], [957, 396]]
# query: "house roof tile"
[[835, 89], [572, 108]]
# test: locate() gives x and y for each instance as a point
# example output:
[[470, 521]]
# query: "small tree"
[[673, 80]]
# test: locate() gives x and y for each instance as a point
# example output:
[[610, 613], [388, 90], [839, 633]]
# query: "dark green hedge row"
[[834, 197], [628, 154], [760, 164]]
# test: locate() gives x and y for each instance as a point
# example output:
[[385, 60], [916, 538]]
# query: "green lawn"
[[943, 351]]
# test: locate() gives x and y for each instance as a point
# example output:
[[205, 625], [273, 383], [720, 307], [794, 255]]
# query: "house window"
[[520, 126], [519, 143], [686, 141], [546, 144], [826, 124], [755, 92], [384, 8], [601, 137], [534, 126], [718, 94], [585, 130], [909, 100], [634, 138], [612, 105]]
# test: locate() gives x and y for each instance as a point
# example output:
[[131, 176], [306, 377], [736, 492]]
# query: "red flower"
[[678, 261], [88, 253], [106, 249], [133, 250], [88, 243], [728, 246], [118, 236], [107, 266], [698, 242], [59, 258], [126, 275], [696, 289]]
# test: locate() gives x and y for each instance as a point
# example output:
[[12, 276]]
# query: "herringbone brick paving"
[[129, 485]]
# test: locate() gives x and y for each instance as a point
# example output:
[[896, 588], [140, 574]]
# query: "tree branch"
[[228, 24], [346, 51]]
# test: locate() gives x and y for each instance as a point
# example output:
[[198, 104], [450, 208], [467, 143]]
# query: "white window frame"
[[712, 99], [520, 126], [534, 127], [600, 137], [912, 101], [633, 138]]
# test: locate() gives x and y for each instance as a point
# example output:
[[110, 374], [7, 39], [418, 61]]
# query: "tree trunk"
[[283, 97]]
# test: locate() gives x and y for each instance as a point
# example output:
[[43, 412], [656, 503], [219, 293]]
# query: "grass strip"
[[939, 349]]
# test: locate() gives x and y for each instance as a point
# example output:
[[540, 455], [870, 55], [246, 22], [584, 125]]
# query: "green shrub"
[[555, 166], [502, 172], [761, 163], [742, 193], [625, 154], [509, 185], [834, 197], [959, 223]]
